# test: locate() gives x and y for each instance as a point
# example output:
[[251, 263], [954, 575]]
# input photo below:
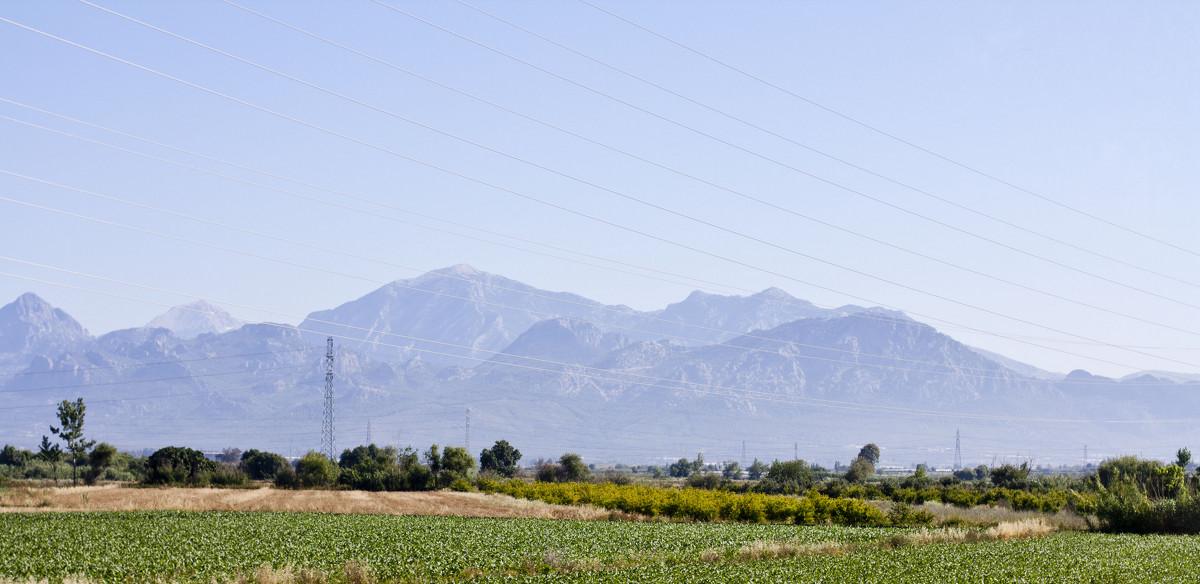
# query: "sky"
[[1020, 175]]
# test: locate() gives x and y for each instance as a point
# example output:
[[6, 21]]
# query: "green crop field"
[[220, 546]]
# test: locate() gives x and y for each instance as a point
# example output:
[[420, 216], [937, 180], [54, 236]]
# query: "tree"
[[731, 470], [756, 470], [230, 455], [1011, 477], [860, 469], [501, 459], [680, 468], [51, 453], [870, 453], [177, 465], [70, 416], [457, 463], [572, 470], [99, 460], [316, 470], [262, 466], [433, 459], [1183, 457], [12, 456], [793, 476]]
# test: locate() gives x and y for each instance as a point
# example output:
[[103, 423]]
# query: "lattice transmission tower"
[[327, 417], [957, 450]]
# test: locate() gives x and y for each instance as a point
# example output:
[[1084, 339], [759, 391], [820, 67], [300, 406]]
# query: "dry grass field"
[[442, 503]]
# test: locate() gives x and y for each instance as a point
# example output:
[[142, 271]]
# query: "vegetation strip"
[[358, 549]]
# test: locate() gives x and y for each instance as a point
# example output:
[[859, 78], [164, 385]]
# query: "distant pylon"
[[369, 440], [468, 429], [957, 450], [327, 418]]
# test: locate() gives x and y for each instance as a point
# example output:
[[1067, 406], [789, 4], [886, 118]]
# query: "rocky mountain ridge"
[[554, 371]]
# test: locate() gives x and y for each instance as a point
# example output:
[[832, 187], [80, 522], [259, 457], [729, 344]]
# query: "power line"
[[782, 164], [480, 301], [875, 316], [132, 381], [74, 370], [295, 264], [594, 218], [655, 206], [891, 136], [810, 149]]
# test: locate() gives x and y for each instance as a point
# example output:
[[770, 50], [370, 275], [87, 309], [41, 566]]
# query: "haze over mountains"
[[554, 372]]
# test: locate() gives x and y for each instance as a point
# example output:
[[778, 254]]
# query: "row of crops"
[[201, 547]]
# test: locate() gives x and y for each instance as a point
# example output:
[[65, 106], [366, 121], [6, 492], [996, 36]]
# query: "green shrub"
[[174, 465], [262, 466], [286, 478], [315, 470]]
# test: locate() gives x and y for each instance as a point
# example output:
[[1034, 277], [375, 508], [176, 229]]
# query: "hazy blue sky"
[[1091, 105]]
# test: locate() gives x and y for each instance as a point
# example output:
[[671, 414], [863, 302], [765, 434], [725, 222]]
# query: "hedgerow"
[[701, 505]]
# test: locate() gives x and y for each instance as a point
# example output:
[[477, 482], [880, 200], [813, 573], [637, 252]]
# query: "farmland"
[[187, 546]]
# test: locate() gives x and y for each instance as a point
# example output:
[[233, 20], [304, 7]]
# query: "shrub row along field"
[[137, 547], [701, 505]]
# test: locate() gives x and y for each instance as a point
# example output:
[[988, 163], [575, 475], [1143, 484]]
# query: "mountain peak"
[[459, 270], [192, 320], [29, 324]]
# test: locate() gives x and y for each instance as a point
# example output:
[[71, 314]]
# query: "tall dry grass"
[[442, 503]]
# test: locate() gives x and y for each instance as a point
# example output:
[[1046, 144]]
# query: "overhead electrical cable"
[[144, 397], [152, 363], [772, 299], [894, 137], [808, 148], [149, 380], [749, 197], [789, 301], [332, 272], [554, 205], [397, 285], [782, 164]]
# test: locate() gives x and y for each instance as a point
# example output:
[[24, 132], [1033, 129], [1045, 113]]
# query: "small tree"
[[99, 460], [51, 453], [572, 470], [262, 466], [756, 470], [230, 455], [316, 470], [731, 470], [1011, 477], [501, 459], [12, 456], [1183, 457], [859, 470], [178, 465], [456, 464], [70, 416], [870, 452]]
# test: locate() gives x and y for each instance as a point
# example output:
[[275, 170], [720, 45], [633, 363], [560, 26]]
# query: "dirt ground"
[[121, 498]]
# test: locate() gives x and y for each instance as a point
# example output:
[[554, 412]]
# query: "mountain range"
[[460, 355]]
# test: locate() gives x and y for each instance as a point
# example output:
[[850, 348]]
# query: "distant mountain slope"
[[30, 325], [590, 383], [467, 314]]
